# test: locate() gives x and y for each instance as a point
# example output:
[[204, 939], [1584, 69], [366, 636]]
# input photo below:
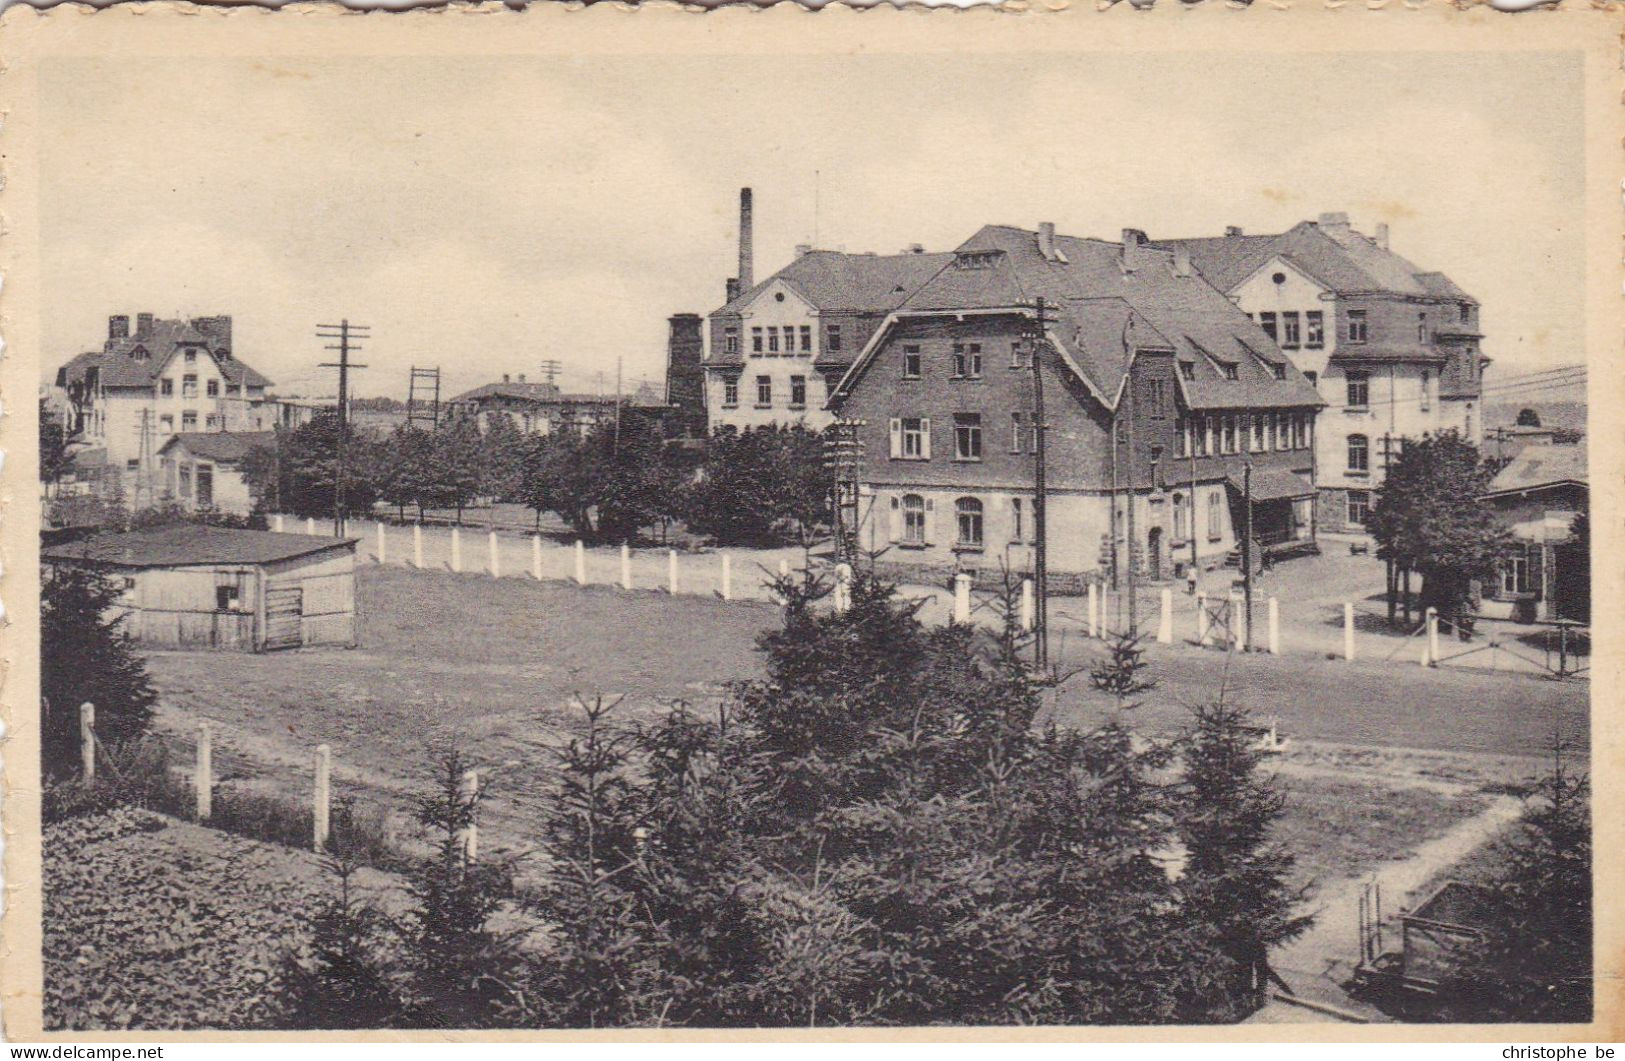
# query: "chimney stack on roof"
[[1232, 230], [1046, 240], [521, 377], [1382, 234], [143, 325], [1133, 249], [1182, 260], [803, 249], [732, 289], [746, 269], [916, 248], [1335, 225], [118, 327], [505, 378]]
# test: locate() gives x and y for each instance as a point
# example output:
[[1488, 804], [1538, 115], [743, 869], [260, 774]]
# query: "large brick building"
[[1393, 350], [1157, 391]]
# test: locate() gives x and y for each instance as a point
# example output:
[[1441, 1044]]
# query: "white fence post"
[[1027, 609], [417, 546], [382, 545], [626, 566], [87, 742], [323, 799], [961, 598], [1430, 650], [671, 571], [310, 525], [496, 561], [843, 587], [536, 557], [1348, 630], [1204, 628], [203, 776], [469, 792], [1094, 609], [727, 577], [1165, 622], [456, 549], [1275, 627], [276, 523], [1238, 619], [581, 563]]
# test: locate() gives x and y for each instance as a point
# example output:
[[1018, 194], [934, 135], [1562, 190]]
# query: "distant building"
[[1392, 349], [147, 384], [205, 471], [209, 587], [1538, 495], [1158, 394], [776, 350], [543, 409]]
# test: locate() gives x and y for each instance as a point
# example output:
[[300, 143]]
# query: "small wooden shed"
[[213, 587]]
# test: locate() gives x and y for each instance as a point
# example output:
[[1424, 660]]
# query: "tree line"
[[612, 483]]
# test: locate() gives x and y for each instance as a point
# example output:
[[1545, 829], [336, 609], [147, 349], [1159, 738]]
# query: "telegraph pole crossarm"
[[348, 336]]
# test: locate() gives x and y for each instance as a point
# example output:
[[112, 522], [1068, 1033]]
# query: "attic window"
[[191, 354], [1279, 278], [1280, 371], [1187, 369], [1230, 370], [977, 260], [778, 296], [140, 353]]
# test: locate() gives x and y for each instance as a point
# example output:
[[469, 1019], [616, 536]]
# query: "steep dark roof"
[[192, 546], [1345, 261], [121, 368], [1105, 311], [526, 392], [856, 283], [227, 447]]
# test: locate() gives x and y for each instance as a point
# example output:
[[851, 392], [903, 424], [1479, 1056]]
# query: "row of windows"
[[911, 513], [764, 392], [911, 436], [1291, 332], [781, 339], [166, 387], [1359, 390], [1225, 433], [966, 360]]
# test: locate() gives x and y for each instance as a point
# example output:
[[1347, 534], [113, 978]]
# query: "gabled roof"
[[190, 545], [119, 366], [854, 283], [1345, 261], [527, 392], [226, 447], [1541, 466], [1106, 312]]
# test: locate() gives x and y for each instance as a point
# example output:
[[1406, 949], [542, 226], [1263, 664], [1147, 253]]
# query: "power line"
[[346, 334]]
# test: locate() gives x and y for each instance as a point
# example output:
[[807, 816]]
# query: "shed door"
[[284, 617]]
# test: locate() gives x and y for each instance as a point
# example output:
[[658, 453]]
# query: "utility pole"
[[1130, 545], [1392, 574], [1190, 449], [428, 381], [617, 447], [1247, 549], [347, 335], [1040, 496], [551, 367]]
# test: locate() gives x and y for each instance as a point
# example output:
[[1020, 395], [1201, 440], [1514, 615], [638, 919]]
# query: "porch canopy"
[[1272, 485]]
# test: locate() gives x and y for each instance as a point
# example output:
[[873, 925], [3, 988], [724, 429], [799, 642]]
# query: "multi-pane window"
[[1018, 354], [1291, 333], [1018, 431], [968, 516], [1314, 336], [832, 339], [730, 340], [1313, 378], [1359, 453], [1017, 522], [764, 392], [1215, 518], [1156, 398], [1466, 312], [1427, 389], [913, 437], [1187, 369], [913, 519], [1359, 389], [212, 388], [968, 436], [188, 386], [1515, 574], [798, 391], [756, 340], [167, 388], [730, 391], [1257, 427], [806, 338], [211, 422], [772, 340], [189, 421], [911, 361], [1200, 432], [1266, 321], [191, 356], [1359, 507], [1182, 438], [1422, 327], [1231, 370], [1357, 329], [1181, 517], [1229, 429], [967, 360]]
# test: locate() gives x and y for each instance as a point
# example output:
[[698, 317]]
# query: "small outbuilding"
[[204, 470], [213, 587]]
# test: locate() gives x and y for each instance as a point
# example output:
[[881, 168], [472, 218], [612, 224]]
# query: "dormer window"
[[1280, 371], [140, 354], [1230, 369], [191, 355], [977, 259], [1187, 369]]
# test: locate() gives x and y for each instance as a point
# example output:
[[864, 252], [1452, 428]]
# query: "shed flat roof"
[[191, 545]]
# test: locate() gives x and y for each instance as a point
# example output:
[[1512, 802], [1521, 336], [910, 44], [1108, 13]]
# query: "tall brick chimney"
[[143, 325], [1382, 235], [746, 268], [118, 327]]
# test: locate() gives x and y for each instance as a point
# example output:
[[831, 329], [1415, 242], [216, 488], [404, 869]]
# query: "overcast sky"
[[485, 215]]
